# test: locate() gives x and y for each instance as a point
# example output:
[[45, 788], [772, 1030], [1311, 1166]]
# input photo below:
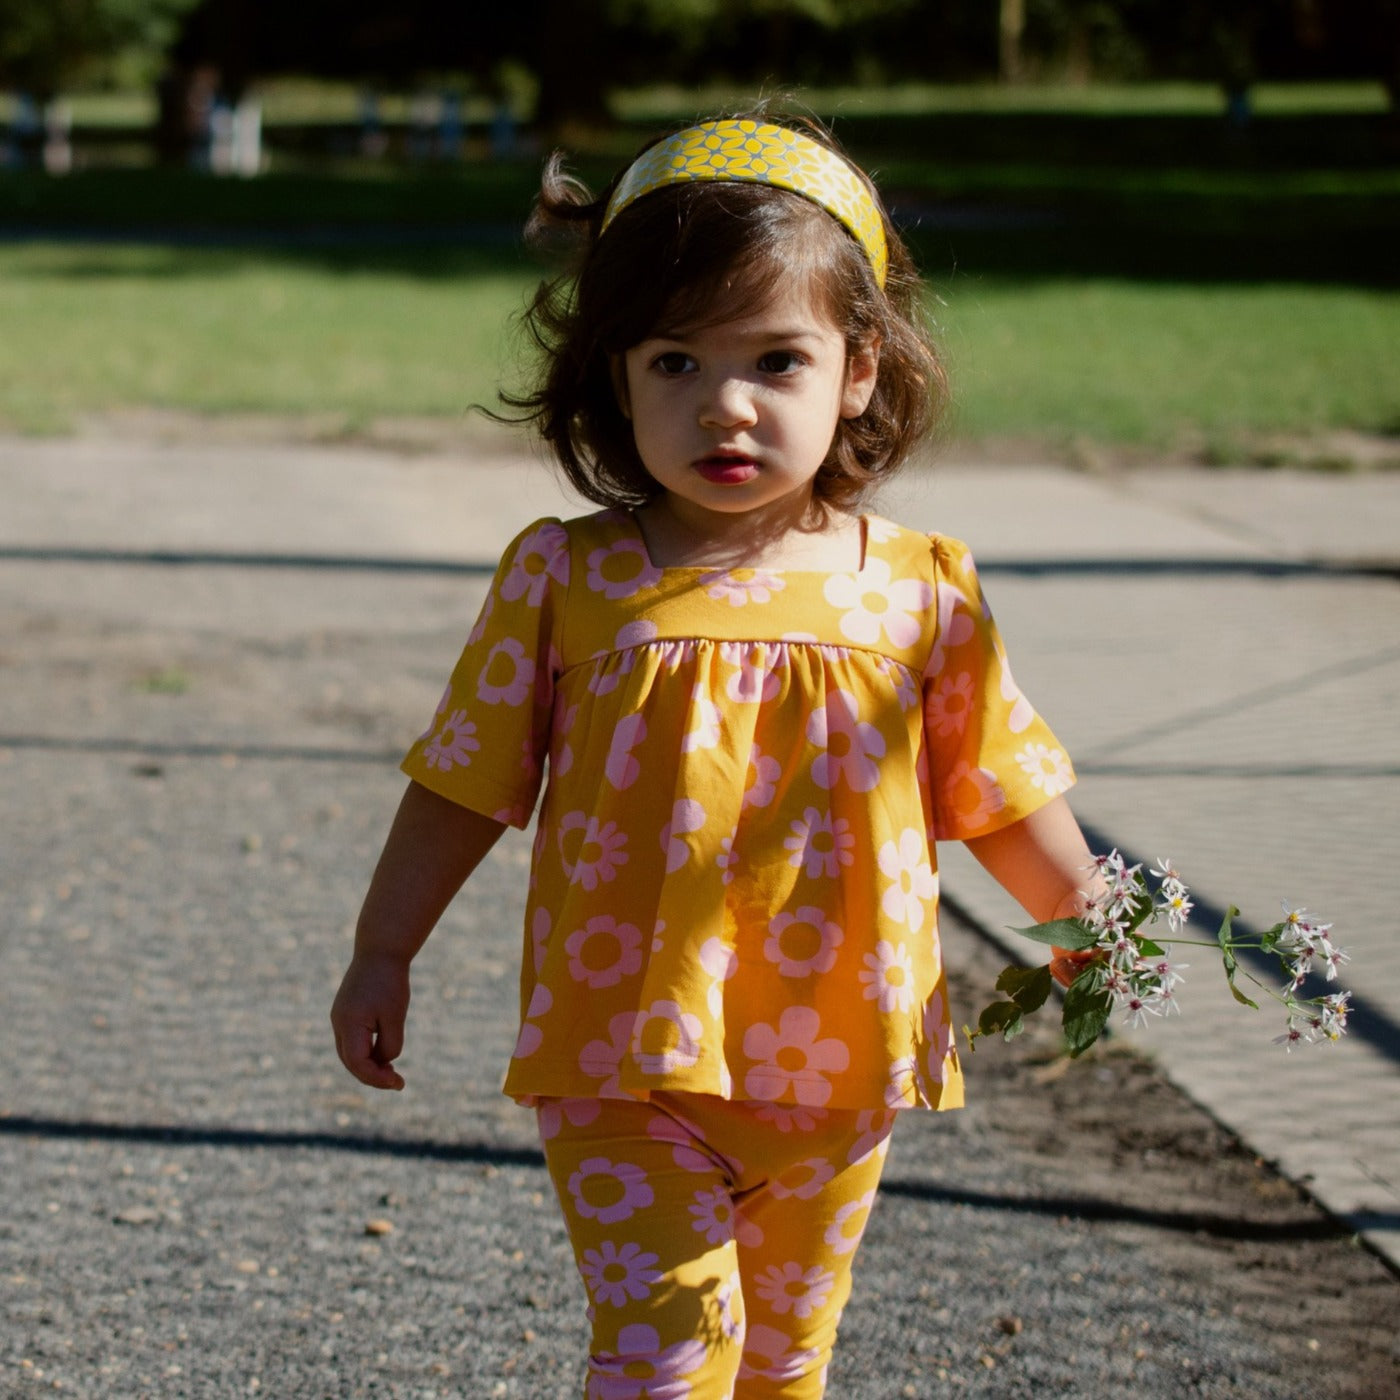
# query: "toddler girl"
[[758, 708]]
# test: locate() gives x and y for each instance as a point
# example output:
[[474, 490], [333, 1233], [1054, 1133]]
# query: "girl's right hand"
[[1065, 965], [368, 1017]]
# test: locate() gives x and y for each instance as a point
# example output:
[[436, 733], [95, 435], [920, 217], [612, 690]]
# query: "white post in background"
[[246, 152]]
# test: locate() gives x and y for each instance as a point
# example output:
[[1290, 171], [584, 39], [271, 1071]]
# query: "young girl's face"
[[738, 416]]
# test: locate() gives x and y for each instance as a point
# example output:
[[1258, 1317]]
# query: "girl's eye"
[[673, 362], [780, 362]]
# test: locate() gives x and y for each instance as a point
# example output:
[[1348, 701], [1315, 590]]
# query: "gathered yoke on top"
[[734, 888]]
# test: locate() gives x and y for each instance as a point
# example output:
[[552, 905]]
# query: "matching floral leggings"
[[715, 1238]]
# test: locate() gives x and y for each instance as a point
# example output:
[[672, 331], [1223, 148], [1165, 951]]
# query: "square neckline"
[[863, 519]]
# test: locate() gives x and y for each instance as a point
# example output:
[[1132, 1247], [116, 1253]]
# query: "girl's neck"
[[818, 537]]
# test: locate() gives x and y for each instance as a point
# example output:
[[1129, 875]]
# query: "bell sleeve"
[[992, 759], [486, 746]]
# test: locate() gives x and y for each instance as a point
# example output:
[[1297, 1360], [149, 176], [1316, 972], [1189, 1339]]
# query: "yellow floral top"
[[734, 888]]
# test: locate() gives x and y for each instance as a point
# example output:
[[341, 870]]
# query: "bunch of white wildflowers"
[[1121, 968]]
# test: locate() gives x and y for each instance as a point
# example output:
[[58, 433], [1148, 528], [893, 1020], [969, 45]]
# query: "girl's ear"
[[617, 367], [861, 370]]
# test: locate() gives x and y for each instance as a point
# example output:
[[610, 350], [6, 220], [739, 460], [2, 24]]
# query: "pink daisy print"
[[602, 1059], [561, 757], [802, 943], [719, 959], [622, 768], [508, 676], [888, 976], [848, 1224], [755, 679], [791, 1061], [902, 1086], [971, 798], [789, 1288], [938, 1036], [948, 704], [820, 844], [641, 1367], [603, 952], [874, 1125], [554, 1113], [616, 1275], [804, 1180], [687, 817], [707, 723], [590, 852], [713, 1215], [531, 1037], [541, 926], [740, 586], [789, 1118], [620, 569], [727, 859], [906, 687], [665, 1038], [955, 627], [876, 603], [542, 556], [850, 748], [608, 1191], [683, 1137], [483, 617], [762, 778], [905, 864], [453, 745], [1022, 714], [769, 1355]]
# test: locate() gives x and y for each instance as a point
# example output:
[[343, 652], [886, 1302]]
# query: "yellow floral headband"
[[762, 154]]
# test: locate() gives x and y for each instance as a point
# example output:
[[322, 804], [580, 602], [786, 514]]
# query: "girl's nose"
[[728, 404]]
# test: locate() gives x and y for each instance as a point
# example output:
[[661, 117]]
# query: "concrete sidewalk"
[[1219, 651]]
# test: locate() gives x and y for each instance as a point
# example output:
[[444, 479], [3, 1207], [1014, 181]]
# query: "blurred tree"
[[47, 44]]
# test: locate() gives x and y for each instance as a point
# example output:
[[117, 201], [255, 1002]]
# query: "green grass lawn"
[[364, 335]]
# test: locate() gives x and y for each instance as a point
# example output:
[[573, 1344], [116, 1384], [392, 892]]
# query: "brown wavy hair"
[[692, 255]]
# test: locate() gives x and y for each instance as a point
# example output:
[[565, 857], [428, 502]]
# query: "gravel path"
[[196, 771]]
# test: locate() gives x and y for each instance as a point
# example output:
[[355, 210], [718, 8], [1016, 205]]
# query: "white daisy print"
[[790, 1059], [851, 749], [762, 778], [971, 797], [622, 769], [1047, 768], [769, 1355], [848, 1224], [888, 977], [665, 1038], [820, 844], [875, 603], [912, 881]]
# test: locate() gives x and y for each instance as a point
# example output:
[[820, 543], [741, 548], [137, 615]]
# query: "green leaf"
[[1002, 1017], [1062, 933], [1239, 996], [1086, 1011], [1028, 987], [1223, 936], [1151, 949]]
